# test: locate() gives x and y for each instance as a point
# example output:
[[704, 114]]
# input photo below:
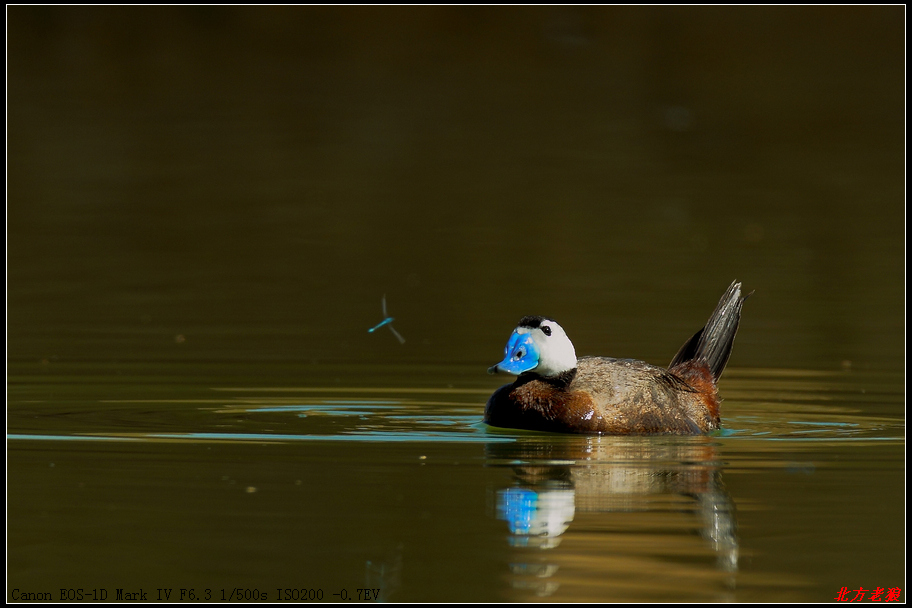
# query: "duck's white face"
[[537, 345]]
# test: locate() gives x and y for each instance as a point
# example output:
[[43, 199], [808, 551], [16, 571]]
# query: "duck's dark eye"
[[546, 329]]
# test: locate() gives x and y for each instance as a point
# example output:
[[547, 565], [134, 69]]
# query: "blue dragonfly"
[[388, 321]]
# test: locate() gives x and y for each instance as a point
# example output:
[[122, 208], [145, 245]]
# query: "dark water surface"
[[206, 206]]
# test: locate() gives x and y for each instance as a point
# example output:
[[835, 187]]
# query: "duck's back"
[[616, 396]]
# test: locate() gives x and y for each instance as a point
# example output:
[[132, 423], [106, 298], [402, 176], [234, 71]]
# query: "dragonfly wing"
[[397, 334]]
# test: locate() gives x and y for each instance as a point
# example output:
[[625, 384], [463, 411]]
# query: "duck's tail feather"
[[712, 345]]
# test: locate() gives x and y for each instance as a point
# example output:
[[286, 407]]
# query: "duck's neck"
[[561, 380]]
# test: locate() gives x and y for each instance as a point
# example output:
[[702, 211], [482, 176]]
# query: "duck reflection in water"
[[621, 504]]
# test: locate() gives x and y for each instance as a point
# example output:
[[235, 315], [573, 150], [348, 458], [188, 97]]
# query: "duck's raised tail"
[[712, 345]]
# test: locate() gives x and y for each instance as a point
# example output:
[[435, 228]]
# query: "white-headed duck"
[[558, 393]]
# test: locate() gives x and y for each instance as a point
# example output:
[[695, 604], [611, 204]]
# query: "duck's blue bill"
[[520, 355]]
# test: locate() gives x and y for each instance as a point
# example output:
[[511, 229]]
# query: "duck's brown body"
[[614, 396], [611, 396]]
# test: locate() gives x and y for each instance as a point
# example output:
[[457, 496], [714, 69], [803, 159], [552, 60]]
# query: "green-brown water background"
[[205, 206]]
